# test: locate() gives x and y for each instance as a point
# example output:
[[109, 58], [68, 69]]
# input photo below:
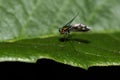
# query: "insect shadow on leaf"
[[84, 41]]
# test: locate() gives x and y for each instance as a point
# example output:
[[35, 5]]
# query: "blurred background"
[[20, 19]]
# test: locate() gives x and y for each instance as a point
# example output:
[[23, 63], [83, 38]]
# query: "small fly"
[[67, 28]]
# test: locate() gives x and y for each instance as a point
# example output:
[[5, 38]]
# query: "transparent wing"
[[68, 24]]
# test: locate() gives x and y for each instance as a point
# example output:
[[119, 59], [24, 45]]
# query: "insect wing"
[[68, 24]]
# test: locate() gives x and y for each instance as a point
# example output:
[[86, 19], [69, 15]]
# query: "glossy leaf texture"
[[29, 31]]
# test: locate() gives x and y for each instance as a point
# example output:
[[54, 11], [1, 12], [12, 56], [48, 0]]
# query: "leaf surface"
[[29, 31]]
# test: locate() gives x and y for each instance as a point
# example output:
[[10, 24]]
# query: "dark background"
[[45, 68]]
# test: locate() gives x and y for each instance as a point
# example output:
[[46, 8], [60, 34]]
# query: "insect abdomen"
[[79, 28]]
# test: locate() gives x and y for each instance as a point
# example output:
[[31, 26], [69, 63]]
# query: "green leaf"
[[29, 31]]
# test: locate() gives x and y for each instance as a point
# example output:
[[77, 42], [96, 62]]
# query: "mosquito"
[[67, 28]]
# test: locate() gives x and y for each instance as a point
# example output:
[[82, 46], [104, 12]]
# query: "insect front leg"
[[67, 35]]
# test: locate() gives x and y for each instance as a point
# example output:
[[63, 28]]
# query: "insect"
[[67, 28]]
